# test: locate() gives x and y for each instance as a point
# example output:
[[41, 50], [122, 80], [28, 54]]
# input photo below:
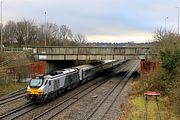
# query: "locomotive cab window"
[[36, 83]]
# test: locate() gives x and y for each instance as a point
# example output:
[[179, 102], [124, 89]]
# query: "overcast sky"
[[99, 20]]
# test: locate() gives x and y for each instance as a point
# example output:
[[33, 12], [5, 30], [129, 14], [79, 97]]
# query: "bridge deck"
[[90, 53]]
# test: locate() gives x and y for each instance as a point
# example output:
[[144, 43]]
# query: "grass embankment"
[[9, 87], [137, 99], [137, 110], [165, 79]]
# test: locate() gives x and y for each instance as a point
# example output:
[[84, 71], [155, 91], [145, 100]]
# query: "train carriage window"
[[49, 82]]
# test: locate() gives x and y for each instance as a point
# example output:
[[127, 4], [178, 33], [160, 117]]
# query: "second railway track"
[[99, 112], [12, 96], [53, 111]]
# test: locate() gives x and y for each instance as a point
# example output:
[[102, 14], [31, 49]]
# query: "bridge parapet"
[[90, 53]]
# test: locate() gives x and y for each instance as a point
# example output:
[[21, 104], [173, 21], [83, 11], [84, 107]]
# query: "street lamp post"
[[178, 19], [165, 23], [27, 34], [1, 27], [45, 27]]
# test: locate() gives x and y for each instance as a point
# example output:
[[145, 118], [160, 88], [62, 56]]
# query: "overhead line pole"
[[165, 23], [45, 30], [1, 27], [178, 19]]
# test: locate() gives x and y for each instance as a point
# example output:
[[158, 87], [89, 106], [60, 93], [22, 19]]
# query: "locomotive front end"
[[34, 89]]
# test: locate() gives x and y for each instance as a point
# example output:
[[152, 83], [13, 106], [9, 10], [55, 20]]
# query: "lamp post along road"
[[178, 19], [165, 23], [27, 34], [1, 27], [45, 27]]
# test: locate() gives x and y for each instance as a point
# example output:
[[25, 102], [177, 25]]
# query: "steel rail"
[[10, 99], [157, 110], [10, 95], [18, 112], [87, 90], [146, 109], [10, 114], [125, 78]]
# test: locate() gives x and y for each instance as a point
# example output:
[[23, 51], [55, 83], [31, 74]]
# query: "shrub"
[[1, 56], [169, 44]]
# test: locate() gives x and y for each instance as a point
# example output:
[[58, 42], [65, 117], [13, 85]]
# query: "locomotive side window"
[[49, 83], [46, 82]]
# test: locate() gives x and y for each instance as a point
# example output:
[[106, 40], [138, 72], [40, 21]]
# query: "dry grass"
[[138, 110], [8, 60], [150, 81], [10, 87]]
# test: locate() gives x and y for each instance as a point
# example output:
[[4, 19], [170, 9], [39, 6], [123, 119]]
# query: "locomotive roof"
[[62, 72], [84, 66], [108, 61]]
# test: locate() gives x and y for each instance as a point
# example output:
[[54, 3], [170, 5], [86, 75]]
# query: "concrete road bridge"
[[92, 53]]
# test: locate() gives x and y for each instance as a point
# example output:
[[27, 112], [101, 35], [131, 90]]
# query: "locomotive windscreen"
[[35, 83]]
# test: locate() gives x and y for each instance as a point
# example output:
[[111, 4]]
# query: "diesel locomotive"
[[44, 87]]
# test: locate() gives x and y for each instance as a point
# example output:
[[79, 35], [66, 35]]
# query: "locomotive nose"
[[34, 91], [34, 94]]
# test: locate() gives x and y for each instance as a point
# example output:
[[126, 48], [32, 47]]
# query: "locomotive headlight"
[[40, 92], [28, 92]]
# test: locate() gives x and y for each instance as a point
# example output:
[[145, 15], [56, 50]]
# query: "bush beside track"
[[7, 80], [165, 79]]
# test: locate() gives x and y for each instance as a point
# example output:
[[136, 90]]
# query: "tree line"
[[27, 32]]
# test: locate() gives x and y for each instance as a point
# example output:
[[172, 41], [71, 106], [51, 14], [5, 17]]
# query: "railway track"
[[106, 103], [157, 110], [22, 110], [53, 111], [12, 114], [17, 112], [12, 96]]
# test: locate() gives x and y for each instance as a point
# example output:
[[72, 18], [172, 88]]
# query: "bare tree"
[[20, 33], [9, 32], [27, 32], [50, 30], [166, 40], [79, 38], [52, 33], [31, 31], [65, 33]]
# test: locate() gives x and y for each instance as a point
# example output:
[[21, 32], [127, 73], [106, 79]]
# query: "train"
[[44, 87]]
